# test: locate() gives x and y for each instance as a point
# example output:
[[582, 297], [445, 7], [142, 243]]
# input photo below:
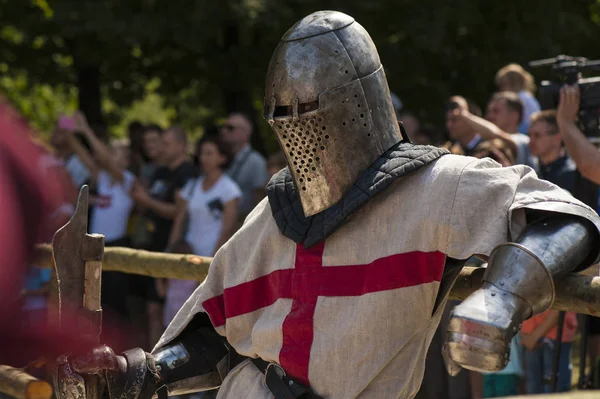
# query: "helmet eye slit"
[[308, 107], [282, 111]]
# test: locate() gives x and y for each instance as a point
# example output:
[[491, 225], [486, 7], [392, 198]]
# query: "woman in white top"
[[112, 206], [112, 180], [209, 204]]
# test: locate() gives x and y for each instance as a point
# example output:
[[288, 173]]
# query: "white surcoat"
[[354, 315]]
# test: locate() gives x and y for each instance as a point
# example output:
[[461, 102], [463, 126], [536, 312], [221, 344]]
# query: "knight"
[[335, 284]]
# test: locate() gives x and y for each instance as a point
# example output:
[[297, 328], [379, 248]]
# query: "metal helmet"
[[328, 102]]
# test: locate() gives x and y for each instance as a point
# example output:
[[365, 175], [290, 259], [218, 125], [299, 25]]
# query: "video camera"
[[569, 70]]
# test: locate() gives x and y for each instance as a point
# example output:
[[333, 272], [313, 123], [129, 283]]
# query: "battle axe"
[[78, 265]]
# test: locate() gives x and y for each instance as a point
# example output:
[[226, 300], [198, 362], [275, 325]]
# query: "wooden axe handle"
[[93, 280]]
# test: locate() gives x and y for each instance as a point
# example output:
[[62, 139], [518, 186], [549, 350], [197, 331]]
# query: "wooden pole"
[[145, 263], [92, 253], [575, 293], [568, 395], [20, 385]]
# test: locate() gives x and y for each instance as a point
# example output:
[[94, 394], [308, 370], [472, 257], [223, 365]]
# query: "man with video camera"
[[587, 158], [585, 155]]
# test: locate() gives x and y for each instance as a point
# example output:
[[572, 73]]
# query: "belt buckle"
[[274, 367]]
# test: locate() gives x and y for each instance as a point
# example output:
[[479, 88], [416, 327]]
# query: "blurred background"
[[193, 61]]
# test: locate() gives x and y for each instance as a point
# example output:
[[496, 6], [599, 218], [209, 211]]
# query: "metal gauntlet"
[[518, 283], [131, 375], [138, 377], [193, 363], [198, 361]]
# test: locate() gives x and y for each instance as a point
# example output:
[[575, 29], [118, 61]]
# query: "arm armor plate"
[[517, 284], [548, 249]]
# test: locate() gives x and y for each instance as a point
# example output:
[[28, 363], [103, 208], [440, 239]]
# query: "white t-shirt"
[[111, 213], [205, 211]]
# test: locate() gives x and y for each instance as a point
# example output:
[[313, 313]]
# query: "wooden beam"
[[20, 385], [575, 293], [569, 395], [135, 261]]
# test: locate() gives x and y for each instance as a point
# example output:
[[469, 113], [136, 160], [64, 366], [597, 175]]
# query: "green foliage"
[[151, 109], [190, 62], [41, 104]]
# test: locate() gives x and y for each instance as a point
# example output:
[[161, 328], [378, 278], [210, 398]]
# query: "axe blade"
[[69, 264]]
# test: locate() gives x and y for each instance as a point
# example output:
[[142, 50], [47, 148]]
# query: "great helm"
[[328, 102]]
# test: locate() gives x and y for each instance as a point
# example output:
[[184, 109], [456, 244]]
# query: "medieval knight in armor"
[[336, 282]]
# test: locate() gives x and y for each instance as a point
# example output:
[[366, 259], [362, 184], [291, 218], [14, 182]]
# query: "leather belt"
[[280, 385]]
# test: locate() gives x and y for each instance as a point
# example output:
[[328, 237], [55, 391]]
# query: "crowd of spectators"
[[514, 131]]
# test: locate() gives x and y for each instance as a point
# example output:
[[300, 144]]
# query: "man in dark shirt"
[[546, 144], [159, 203]]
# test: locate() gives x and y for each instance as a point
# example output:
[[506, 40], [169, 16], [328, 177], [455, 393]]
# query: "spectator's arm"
[[84, 155], [164, 209], [487, 130], [584, 154], [144, 182], [102, 152], [230, 215], [180, 214], [550, 321], [141, 197]]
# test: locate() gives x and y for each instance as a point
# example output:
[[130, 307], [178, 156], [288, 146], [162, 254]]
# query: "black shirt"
[[561, 172], [163, 186]]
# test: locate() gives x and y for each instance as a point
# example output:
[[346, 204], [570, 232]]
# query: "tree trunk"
[[90, 98], [236, 93]]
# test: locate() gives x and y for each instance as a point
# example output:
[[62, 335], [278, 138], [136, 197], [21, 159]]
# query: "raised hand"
[[568, 106]]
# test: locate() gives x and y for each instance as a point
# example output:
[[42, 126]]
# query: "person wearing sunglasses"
[[249, 168]]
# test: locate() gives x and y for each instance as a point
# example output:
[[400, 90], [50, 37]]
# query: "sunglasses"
[[228, 127], [537, 136]]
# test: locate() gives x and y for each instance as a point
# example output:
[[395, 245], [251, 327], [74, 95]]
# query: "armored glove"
[[518, 283], [130, 376]]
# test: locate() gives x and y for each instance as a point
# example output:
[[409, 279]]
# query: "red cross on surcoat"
[[308, 280]]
